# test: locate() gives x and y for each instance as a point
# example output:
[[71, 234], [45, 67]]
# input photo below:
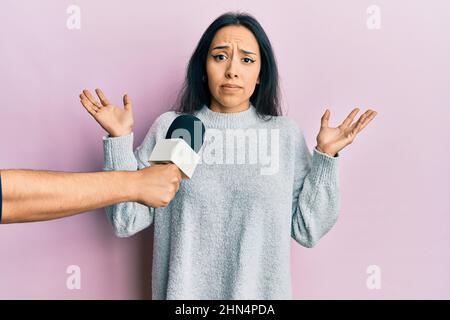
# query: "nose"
[[231, 74], [232, 69]]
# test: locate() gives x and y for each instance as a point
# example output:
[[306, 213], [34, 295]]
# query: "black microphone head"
[[189, 128]]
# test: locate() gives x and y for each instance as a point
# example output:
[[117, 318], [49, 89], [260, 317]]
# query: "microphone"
[[183, 141]]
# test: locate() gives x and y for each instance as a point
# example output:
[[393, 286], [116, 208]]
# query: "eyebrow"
[[225, 47]]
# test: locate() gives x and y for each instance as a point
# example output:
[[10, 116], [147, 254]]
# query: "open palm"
[[116, 121], [332, 140]]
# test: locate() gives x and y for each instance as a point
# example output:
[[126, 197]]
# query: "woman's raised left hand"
[[332, 140]]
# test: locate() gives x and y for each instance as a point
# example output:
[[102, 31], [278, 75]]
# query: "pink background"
[[394, 177]]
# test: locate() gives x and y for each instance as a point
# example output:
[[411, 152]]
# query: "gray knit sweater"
[[227, 233]]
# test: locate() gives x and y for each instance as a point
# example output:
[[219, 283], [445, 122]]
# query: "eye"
[[247, 60], [218, 55], [251, 60]]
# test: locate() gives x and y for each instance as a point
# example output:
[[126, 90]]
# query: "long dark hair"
[[195, 92]]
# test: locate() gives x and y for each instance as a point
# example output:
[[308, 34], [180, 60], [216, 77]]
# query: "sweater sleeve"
[[316, 199], [128, 218]]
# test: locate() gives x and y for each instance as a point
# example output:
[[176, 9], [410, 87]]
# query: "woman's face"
[[233, 58]]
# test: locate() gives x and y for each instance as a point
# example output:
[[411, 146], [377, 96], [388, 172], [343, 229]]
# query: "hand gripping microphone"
[[183, 141]]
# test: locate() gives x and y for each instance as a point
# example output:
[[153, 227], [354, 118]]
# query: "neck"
[[217, 107]]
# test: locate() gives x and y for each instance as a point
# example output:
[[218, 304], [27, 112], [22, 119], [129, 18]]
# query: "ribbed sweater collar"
[[213, 119]]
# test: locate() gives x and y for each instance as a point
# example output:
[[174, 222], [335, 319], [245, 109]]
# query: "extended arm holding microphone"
[[131, 217], [33, 195]]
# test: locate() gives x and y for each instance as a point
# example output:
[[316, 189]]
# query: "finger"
[[127, 102], [92, 101], [91, 98], [102, 97], [363, 121], [361, 118], [95, 106], [366, 121], [177, 172], [324, 119], [87, 105], [350, 117]]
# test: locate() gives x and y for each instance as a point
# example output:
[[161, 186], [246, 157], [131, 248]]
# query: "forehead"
[[240, 35]]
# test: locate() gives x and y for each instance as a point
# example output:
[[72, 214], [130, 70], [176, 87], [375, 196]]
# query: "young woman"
[[226, 234]]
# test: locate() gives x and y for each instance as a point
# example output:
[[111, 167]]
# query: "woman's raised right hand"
[[116, 121]]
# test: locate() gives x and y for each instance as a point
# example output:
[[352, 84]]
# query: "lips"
[[231, 86]]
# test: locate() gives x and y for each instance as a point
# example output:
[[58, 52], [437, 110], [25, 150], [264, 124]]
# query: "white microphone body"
[[178, 152]]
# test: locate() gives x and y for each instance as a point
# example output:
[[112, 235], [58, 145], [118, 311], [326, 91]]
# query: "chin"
[[229, 101]]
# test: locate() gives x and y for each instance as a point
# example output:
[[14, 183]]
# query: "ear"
[[257, 81]]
